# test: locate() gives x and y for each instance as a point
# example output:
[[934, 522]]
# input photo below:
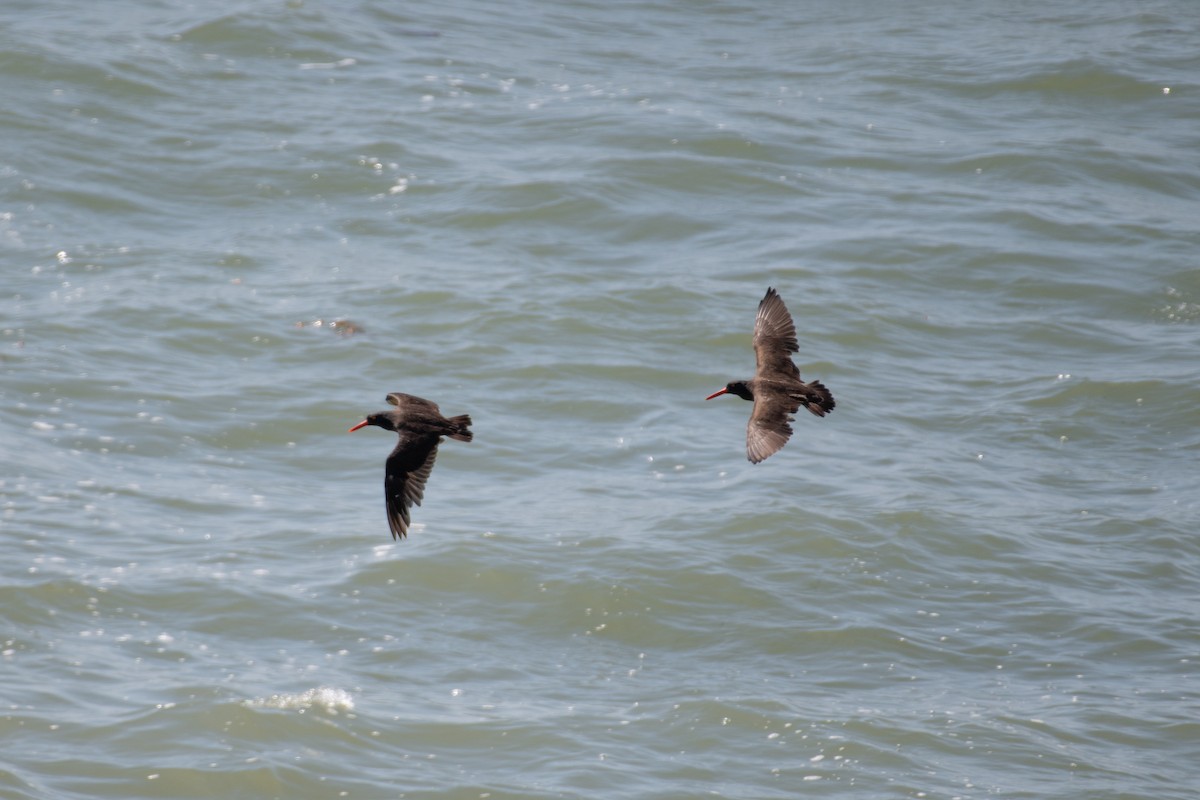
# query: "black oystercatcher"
[[421, 427], [776, 388]]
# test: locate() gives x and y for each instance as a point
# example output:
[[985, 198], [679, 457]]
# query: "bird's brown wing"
[[407, 469], [412, 403], [774, 338], [769, 429]]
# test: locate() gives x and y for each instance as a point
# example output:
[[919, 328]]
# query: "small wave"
[[332, 701]]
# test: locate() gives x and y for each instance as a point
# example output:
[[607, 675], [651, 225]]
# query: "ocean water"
[[978, 577]]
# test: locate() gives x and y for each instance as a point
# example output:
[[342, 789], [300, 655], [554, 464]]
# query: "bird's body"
[[776, 389], [421, 427]]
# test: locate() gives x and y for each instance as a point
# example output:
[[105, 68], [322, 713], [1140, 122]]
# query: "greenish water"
[[977, 577]]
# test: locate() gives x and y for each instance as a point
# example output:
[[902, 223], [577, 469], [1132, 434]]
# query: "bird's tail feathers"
[[819, 400], [463, 431]]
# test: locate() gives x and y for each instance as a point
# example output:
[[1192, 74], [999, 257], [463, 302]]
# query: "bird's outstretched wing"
[[769, 428], [774, 338], [412, 403], [406, 471]]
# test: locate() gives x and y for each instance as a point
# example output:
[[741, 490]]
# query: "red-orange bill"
[[716, 394], [362, 424]]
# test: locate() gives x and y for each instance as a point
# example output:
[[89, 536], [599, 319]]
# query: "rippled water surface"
[[978, 577]]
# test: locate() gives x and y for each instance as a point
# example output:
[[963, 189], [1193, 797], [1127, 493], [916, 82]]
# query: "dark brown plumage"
[[421, 427], [776, 388]]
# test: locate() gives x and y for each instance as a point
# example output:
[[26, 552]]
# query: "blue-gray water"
[[978, 577]]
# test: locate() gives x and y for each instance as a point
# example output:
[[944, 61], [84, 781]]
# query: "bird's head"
[[740, 388], [382, 420]]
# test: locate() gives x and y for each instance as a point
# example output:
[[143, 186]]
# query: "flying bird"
[[776, 388], [421, 427]]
